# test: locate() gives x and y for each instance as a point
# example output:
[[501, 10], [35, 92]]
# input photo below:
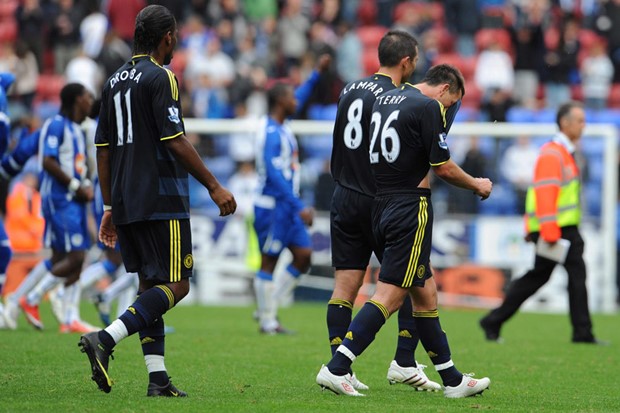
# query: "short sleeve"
[[102, 135], [433, 133], [167, 106], [53, 138]]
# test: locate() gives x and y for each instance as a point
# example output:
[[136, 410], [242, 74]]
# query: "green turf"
[[217, 356]]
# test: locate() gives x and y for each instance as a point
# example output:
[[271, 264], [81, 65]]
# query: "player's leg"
[[435, 343], [5, 257], [298, 242], [160, 251], [335, 375], [30, 282], [271, 240]]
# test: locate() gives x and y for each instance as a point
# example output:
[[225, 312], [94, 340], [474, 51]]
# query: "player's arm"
[[274, 168], [169, 121], [186, 155], [52, 141], [304, 91], [107, 230], [13, 162], [432, 127]]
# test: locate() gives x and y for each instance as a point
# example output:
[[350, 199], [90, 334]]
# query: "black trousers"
[[524, 287]]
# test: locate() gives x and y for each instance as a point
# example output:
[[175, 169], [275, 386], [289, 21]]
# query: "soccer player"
[[280, 217], [143, 158], [408, 130], [553, 212], [65, 191], [6, 79], [351, 228]]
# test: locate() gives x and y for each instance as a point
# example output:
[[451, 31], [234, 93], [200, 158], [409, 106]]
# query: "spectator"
[[517, 166], [528, 43], [475, 164], [494, 76], [65, 33], [609, 24], [463, 20], [561, 64], [597, 73], [293, 27], [86, 71], [93, 29], [32, 28], [23, 64], [349, 54], [122, 15]]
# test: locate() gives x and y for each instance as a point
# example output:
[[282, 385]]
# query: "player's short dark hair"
[[444, 73], [68, 95], [278, 90], [565, 109], [395, 45], [152, 24]]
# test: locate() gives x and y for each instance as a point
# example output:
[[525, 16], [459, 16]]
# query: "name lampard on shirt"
[[371, 86]]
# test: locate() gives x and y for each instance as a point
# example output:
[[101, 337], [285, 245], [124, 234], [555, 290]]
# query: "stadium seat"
[[614, 96], [576, 92], [370, 36], [467, 65], [467, 115], [605, 116], [546, 115], [7, 10], [48, 87], [370, 61], [473, 96], [8, 31], [484, 36], [519, 114]]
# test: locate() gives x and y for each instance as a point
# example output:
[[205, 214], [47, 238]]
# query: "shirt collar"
[[563, 140]]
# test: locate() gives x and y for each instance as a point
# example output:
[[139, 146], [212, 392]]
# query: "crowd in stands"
[[520, 58]]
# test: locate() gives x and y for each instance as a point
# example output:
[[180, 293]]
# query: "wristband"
[[73, 186], [86, 183], [107, 208]]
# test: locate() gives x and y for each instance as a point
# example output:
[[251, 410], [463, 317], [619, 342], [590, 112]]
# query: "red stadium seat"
[[7, 9], [614, 96], [576, 93], [370, 36], [49, 86], [467, 65], [8, 31], [473, 96], [484, 36], [370, 61]]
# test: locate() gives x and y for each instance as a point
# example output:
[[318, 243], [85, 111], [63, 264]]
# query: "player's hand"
[[307, 215], [224, 200], [84, 193], [107, 230], [484, 187], [325, 60]]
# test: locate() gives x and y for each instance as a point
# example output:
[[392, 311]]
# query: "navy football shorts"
[[157, 250], [352, 242], [403, 227]]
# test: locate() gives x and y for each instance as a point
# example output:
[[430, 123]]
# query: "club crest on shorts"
[[442, 141], [421, 271], [188, 261]]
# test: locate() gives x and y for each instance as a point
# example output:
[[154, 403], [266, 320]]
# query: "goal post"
[[603, 274]]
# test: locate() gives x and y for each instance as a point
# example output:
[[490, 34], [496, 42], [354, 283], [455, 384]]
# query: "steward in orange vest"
[[552, 212]]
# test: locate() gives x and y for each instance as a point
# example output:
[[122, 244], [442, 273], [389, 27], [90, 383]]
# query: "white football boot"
[[468, 387], [337, 384], [412, 376], [358, 385]]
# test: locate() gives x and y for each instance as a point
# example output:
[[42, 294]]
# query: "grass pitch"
[[218, 357]]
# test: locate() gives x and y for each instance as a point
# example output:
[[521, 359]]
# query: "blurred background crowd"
[[520, 59]]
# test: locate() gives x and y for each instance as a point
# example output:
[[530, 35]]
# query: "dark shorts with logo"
[[352, 241], [157, 250], [403, 228]]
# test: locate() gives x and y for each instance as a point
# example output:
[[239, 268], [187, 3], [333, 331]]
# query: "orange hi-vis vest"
[[552, 202], [24, 222]]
